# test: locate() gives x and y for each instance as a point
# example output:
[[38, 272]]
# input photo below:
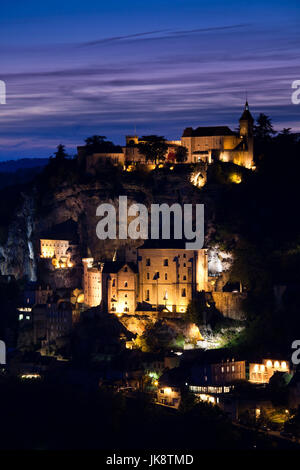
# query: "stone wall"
[[230, 304]]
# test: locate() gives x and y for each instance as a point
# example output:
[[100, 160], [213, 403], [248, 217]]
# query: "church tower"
[[246, 133]]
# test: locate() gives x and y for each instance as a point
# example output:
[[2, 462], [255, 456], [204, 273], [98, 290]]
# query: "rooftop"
[[210, 131]]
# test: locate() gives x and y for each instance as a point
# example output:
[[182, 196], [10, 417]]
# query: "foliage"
[[292, 425], [181, 154], [200, 312], [159, 337], [99, 144], [153, 147]]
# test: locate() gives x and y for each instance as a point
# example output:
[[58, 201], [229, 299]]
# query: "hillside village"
[[147, 316]]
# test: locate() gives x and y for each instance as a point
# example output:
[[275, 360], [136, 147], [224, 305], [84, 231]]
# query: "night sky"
[[76, 68]]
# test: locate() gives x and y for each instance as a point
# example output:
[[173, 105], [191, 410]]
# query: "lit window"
[[269, 364], [283, 365], [256, 368], [276, 365]]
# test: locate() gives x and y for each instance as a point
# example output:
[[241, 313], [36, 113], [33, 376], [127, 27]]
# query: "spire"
[[246, 116]]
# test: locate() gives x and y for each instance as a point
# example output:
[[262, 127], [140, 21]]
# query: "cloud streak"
[[160, 80]]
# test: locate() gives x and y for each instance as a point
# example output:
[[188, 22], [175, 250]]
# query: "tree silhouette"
[[60, 154], [263, 130], [181, 154], [99, 144], [153, 147]]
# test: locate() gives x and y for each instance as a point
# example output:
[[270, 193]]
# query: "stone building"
[[169, 277], [133, 156], [160, 279], [203, 144], [258, 372], [59, 251], [221, 143], [120, 287], [92, 278], [51, 321]]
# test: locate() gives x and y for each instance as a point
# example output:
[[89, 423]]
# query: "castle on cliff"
[[203, 144], [156, 280]]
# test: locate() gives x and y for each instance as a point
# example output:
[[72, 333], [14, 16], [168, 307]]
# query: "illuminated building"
[[169, 277], [230, 371], [169, 396], [133, 156], [161, 279], [92, 277], [119, 287], [220, 142], [262, 372], [59, 251]]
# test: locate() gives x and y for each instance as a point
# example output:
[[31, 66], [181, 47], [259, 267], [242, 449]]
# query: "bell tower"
[[246, 133], [246, 122]]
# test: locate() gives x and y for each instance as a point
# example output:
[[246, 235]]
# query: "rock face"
[[230, 304], [218, 339], [79, 202], [17, 254], [137, 324]]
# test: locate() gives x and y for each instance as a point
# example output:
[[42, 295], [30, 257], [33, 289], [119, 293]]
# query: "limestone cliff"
[[17, 254]]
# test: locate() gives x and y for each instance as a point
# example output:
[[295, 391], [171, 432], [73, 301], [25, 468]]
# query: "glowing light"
[[194, 333], [197, 179], [168, 390], [262, 367], [269, 364], [30, 376], [256, 368], [283, 365], [276, 365], [235, 178], [155, 383]]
